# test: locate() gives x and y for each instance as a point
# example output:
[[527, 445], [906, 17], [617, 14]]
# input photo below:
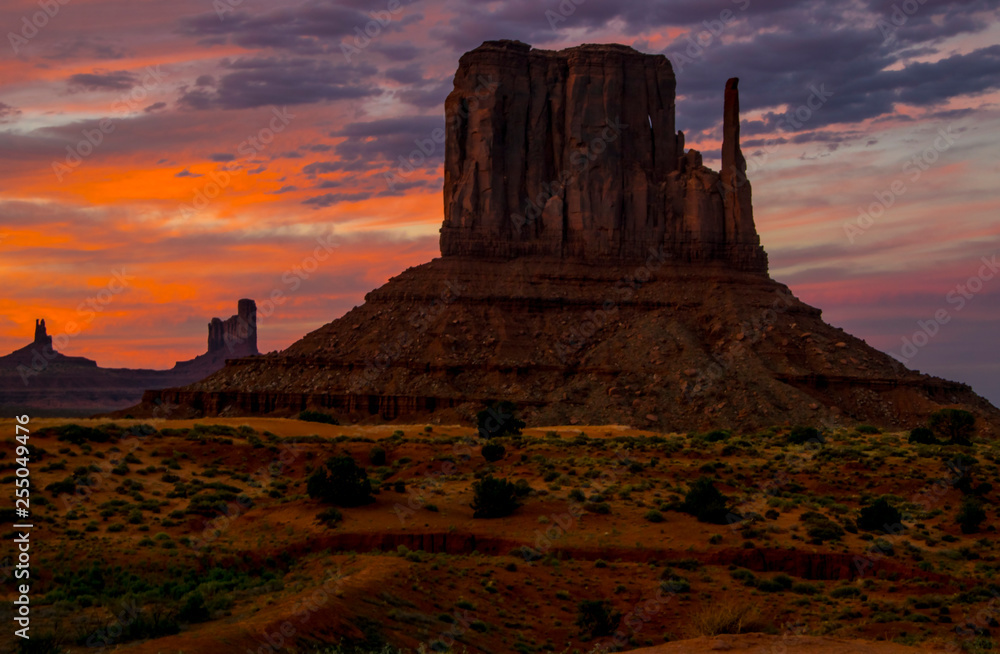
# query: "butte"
[[592, 271]]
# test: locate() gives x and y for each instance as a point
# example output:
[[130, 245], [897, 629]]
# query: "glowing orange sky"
[[133, 204]]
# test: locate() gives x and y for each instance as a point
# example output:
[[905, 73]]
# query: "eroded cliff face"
[[574, 154]]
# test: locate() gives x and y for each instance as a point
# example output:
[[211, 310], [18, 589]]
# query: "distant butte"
[[592, 271], [38, 377]]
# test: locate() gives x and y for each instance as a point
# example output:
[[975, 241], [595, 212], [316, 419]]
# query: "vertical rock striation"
[[574, 154]]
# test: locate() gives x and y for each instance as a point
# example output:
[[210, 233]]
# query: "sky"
[[161, 160]]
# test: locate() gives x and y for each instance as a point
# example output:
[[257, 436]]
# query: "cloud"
[[8, 113], [262, 81], [104, 80], [418, 140], [315, 27], [329, 199], [81, 48]]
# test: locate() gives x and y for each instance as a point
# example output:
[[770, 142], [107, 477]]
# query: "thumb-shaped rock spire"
[[736, 196]]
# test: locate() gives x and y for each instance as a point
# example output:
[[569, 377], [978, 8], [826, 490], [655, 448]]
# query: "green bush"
[[922, 436], [318, 416], [842, 592], [654, 516], [868, 429], [821, 528], [78, 435], [801, 435], [879, 516], [377, 456], [597, 618], [330, 517], [602, 508], [956, 425], [342, 482], [971, 515], [193, 609], [499, 420], [493, 498], [705, 502], [493, 451]]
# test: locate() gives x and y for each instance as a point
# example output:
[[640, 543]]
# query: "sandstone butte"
[[592, 271], [40, 378]]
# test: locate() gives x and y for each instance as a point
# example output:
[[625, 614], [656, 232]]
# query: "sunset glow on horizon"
[[202, 151]]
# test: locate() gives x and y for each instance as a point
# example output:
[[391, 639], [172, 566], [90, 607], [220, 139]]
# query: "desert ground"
[[200, 536]]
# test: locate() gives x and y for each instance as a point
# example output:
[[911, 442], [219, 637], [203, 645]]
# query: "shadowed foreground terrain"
[[177, 536]]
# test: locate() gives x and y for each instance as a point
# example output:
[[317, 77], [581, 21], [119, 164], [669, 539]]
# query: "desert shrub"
[[49, 643], [868, 429], [493, 451], [318, 416], [193, 609], [727, 617], [705, 502], [675, 585], [717, 435], [602, 508], [879, 516], [493, 498], [971, 515], [922, 436], [63, 487], [78, 435], [597, 618], [955, 425], [377, 456], [654, 516], [820, 527], [499, 420], [842, 592], [330, 517], [342, 482], [801, 434]]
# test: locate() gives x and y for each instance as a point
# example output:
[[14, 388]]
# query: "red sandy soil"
[[760, 643], [407, 575]]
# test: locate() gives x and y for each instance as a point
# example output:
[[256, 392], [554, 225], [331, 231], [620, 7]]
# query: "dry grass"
[[727, 617]]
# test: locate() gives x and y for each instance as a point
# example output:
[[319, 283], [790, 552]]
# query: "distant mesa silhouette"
[[37, 376], [592, 271]]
